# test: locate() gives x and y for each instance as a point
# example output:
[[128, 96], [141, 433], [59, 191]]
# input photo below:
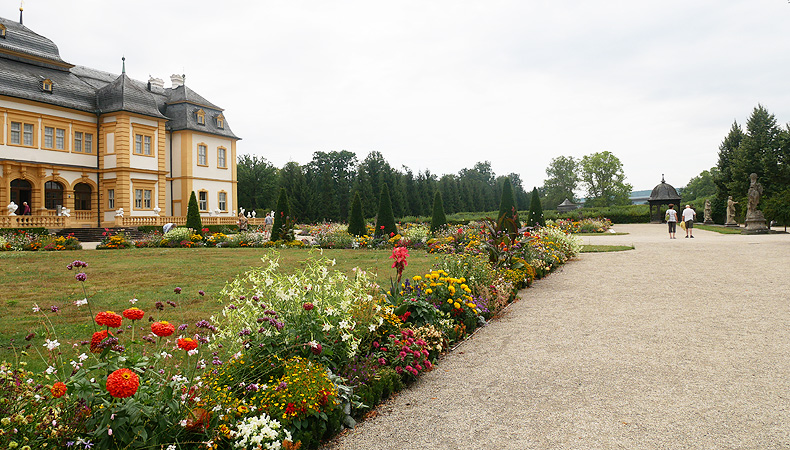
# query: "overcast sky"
[[443, 84]]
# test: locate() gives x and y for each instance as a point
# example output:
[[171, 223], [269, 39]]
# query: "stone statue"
[[708, 212], [119, 212], [755, 191], [157, 210], [731, 212], [12, 207], [217, 211], [65, 212], [755, 221], [254, 213]]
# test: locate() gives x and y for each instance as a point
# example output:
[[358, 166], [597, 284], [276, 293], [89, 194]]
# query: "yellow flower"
[[429, 291], [450, 301], [457, 305], [417, 278]]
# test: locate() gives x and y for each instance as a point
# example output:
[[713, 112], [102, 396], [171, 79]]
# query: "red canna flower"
[[123, 383], [163, 328], [59, 389], [109, 319], [133, 313]]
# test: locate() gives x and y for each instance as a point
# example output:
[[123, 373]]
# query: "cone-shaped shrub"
[[535, 211], [356, 223], [508, 207], [385, 221], [280, 216], [193, 214], [439, 219]]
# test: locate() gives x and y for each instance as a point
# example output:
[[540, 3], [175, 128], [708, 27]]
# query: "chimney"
[[156, 85], [177, 80]]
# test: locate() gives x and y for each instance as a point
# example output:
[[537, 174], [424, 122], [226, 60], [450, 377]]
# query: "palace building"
[[79, 145]]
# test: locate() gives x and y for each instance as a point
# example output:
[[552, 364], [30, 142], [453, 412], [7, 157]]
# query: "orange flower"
[[97, 338], [122, 383], [133, 313], [198, 420], [109, 319], [162, 328], [187, 344], [59, 389]]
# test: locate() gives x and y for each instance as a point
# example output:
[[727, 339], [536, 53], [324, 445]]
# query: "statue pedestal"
[[708, 221], [755, 222], [732, 224]]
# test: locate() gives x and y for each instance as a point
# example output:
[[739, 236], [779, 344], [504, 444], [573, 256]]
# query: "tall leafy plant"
[[385, 221], [193, 214], [439, 219], [279, 231], [356, 222], [536, 217], [507, 206]]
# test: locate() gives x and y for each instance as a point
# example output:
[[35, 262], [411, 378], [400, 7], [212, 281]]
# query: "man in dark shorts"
[[688, 217]]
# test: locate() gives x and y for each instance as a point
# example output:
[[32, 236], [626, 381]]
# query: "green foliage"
[[617, 214], [603, 176], [702, 185], [356, 222], [778, 207], [193, 214], [385, 221], [439, 219], [507, 206], [257, 183], [562, 181], [535, 217], [281, 215]]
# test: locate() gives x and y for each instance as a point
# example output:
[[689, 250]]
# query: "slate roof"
[[664, 192], [27, 59]]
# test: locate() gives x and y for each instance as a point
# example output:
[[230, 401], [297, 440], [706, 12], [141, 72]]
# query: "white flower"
[[133, 301], [83, 357], [192, 352], [313, 344], [183, 423], [51, 345], [326, 327], [372, 328], [37, 397], [36, 308], [50, 370], [79, 303], [343, 324], [171, 447], [346, 337]]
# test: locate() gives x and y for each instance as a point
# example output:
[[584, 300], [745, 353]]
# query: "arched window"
[[82, 197], [21, 191], [53, 194]]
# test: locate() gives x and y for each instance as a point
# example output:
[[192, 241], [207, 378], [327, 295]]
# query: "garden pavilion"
[[663, 194]]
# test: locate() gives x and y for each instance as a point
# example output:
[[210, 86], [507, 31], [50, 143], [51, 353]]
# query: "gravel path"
[[621, 350]]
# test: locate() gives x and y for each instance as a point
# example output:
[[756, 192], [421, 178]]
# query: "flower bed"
[[25, 241], [289, 360]]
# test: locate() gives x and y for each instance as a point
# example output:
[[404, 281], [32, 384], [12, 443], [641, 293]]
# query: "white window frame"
[[138, 199], [203, 200], [78, 141], [222, 198], [202, 155], [16, 133], [111, 199]]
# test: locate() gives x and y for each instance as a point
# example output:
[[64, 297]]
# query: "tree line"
[[323, 189], [600, 174], [762, 148]]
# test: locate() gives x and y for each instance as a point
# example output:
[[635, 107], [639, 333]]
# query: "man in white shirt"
[[688, 217]]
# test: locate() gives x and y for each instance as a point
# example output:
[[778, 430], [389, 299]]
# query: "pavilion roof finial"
[[123, 64], [662, 178], [21, 8]]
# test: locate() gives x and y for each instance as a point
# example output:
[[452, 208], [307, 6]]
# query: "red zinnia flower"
[[59, 389], [133, 313], [109, 319], [187, 344], [122, 383], [308, 306], [97, 338], [162, 328]]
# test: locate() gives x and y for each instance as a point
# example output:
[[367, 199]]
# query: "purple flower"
[[159, 305], [182, 327], [54, 309], [171, 303], [241, 297], [231, 306], [30, 336], [255, 298], [82, 276], [177, 290], [201, 293], [281, 386]]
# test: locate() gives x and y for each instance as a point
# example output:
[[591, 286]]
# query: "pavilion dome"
[[664, 192]]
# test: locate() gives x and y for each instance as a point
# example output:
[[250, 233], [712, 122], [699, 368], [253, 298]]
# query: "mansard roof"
[[26, 59], [22, 44]]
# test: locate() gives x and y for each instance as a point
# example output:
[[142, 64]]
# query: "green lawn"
[[718, 229], [150, 275], [605, 248]]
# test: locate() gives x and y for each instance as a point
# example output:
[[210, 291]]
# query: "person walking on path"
[[672, 220], [688, 217]]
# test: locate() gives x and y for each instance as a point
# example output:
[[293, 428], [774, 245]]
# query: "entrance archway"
[[82, 197], [21, 192]]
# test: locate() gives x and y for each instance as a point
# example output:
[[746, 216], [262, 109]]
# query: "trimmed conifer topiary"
[[508, 207], [385, 221], [356, 222], [439, 219], [535, 211], [280, 216], [193, 214]]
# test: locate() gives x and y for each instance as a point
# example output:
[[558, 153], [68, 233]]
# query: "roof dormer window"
[[201, 117], [2, 31], [220, 121], [46, 85]]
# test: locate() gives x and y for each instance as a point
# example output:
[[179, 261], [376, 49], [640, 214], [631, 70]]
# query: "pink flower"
[[399, 254]]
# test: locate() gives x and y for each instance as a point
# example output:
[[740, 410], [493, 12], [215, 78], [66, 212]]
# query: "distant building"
[[94, 142]]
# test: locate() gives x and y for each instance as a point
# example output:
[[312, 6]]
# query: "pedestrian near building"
[[671, 217], [688, 217]]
